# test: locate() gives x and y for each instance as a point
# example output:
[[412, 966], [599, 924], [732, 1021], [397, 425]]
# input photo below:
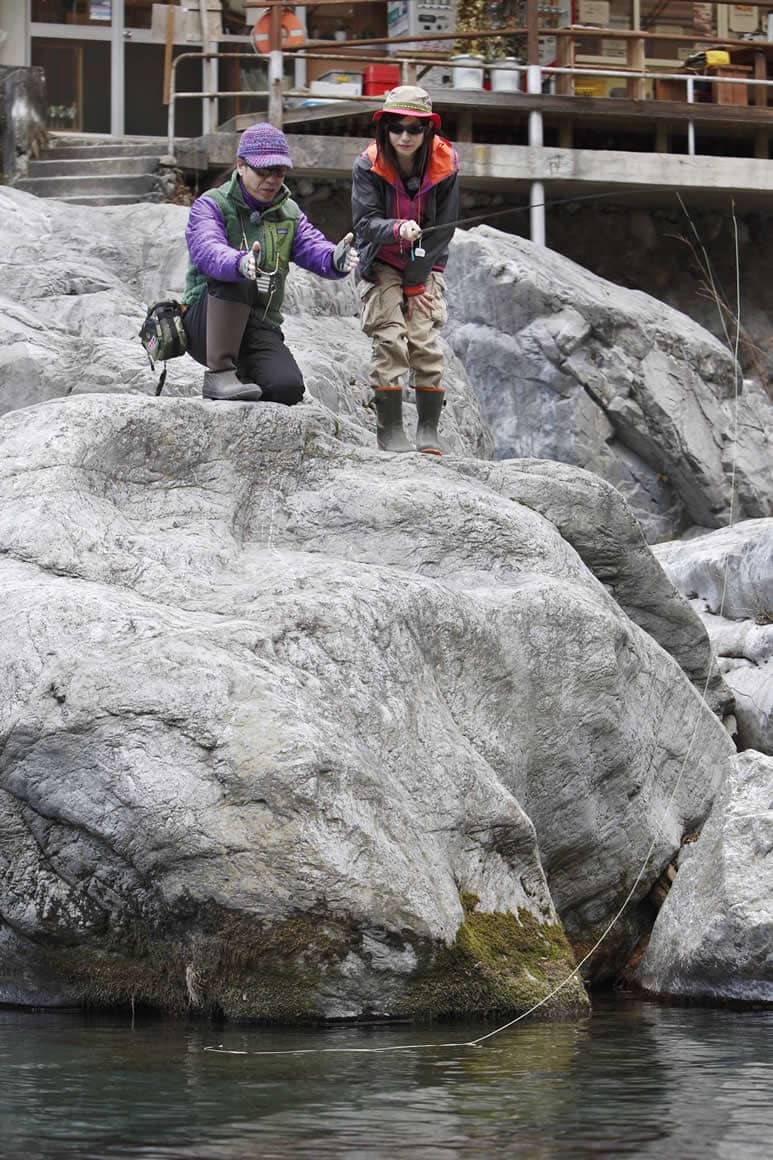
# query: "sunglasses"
[[267, 170], [412, 130]]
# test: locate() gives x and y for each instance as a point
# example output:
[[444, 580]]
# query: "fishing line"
[[550, 204], [535, 1006], [476, 1043]]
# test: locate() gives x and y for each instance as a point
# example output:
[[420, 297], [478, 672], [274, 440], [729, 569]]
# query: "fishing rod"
[[549, 205]]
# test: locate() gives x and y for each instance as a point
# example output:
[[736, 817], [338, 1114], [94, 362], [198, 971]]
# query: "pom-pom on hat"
[[263, 145], [408, 101]]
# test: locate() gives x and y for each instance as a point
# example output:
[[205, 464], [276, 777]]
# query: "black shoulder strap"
[[162, 377]]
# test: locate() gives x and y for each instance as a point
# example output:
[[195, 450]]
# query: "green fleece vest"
[[276, 233]]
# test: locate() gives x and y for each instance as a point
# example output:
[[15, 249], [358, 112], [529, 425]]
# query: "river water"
[[633, 1079]]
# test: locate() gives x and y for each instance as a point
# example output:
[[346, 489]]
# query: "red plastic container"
[[379, 78]]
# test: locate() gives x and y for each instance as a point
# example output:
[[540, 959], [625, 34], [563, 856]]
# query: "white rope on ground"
[[220, 1050]]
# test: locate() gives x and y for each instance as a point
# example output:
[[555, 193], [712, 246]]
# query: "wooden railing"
[[640, 79]]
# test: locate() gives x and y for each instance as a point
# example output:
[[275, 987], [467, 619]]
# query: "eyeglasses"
[[412, 130], [267, 170]]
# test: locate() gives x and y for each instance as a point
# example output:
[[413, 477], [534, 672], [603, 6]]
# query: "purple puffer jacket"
[[212, 255]]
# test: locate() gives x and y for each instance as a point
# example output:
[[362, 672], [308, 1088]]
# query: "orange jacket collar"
[[442, 163]]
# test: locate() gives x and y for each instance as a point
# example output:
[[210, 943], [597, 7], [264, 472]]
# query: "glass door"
[[105, 66], [144, 74], [72, 41]]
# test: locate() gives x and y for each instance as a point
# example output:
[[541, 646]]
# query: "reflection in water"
[[632, 1080]]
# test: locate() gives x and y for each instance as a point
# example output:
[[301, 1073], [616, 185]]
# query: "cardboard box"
[[593, 12], [186, 21], [743, 18], [332, 84], [614, 49]]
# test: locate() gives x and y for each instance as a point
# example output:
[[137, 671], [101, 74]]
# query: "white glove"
[[248, 263], [409, 231]]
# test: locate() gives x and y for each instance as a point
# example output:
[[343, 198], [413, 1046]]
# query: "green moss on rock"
[[261, 971], [498, 962], [243, 967]]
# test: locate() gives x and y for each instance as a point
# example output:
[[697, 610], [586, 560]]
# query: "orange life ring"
[[293, 33]]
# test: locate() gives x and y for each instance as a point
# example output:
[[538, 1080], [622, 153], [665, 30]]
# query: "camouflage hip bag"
[[163, 335]]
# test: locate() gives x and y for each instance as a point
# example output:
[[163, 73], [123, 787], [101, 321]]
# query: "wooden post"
[[168, 46], [275, 29], [210, 14], [636, 61], [78, 122], [464, 126], [565, 84], [760, 74], [532, 32], [275, 67]]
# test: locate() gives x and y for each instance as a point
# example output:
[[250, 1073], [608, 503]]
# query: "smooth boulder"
[[727, 576], [569, 366], [296, 729], [713, 938], [76, 283]]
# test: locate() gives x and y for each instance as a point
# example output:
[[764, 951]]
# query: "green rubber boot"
[[226, 322], [429, 404], [389, 419]]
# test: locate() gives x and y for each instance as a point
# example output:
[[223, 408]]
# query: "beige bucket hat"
[[408, 101]]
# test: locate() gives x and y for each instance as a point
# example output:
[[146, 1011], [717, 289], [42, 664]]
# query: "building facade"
[[107, 61]]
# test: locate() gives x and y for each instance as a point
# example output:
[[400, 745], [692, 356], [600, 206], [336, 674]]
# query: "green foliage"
[[488, 15]]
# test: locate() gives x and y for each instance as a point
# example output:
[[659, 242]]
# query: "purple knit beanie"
[[262, 146]]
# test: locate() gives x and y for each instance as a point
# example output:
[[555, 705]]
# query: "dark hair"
[[386, 150]]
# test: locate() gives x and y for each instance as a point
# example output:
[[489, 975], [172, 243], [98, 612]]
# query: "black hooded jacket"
[[380, 202]]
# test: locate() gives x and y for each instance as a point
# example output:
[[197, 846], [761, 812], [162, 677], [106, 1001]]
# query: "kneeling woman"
[[241, 239], [406, 182]]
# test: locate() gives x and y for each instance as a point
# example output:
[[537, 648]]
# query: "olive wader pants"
[[402, 345]]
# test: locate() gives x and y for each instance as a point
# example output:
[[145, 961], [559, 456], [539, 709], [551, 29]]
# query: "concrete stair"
[[114, 172]]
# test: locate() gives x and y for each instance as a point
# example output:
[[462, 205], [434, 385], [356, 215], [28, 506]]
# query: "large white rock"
[[569, 366], [566, 365], [728, 577], [291, 727], [75, 286], [713, 937], [281, 716]]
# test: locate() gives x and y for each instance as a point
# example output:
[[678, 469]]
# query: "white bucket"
[[467, 72], [506, 80]]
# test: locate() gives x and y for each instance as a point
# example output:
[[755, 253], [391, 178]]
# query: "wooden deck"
[[502, 118], [590, 143]]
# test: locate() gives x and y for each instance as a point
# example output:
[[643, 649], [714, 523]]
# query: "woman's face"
[[404, 137], [262, 184]]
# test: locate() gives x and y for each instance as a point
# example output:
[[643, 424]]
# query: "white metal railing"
[[688, 79], [406, 64], [535, 75]]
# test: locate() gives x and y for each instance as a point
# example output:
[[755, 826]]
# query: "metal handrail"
[[537, 73], [208, 95]]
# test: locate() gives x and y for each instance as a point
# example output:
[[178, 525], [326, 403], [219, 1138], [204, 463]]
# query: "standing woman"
[[406, 181]]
